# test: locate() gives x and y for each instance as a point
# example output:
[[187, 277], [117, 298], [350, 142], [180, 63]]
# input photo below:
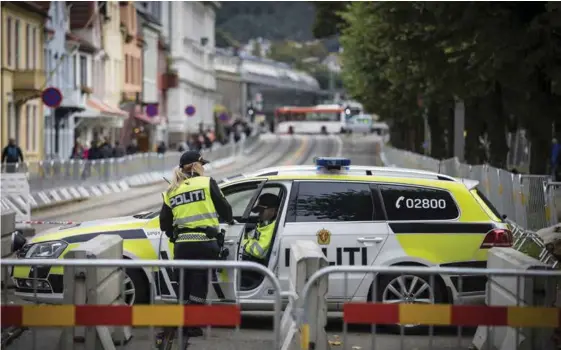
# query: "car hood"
[[94, 226]]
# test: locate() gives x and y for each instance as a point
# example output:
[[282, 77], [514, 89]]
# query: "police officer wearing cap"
[[257, 243], [189, 217]]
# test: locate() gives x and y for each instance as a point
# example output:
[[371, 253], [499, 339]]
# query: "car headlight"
[[46, 250]]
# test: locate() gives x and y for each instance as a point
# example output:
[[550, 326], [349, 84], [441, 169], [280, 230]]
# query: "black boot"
[[194, 332]]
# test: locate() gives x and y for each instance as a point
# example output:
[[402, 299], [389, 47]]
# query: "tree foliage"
[[272, 20], [501, 58]]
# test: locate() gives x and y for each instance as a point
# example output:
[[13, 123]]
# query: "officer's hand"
[[233, 222]]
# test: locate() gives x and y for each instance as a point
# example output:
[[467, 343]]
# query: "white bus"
[[320, 119]]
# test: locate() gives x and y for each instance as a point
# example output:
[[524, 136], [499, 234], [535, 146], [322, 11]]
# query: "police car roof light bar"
[[332, 162]]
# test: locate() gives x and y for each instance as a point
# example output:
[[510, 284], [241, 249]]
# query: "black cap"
[[191, 157], [266, 200]]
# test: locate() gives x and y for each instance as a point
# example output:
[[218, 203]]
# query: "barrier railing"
[[407, 297], [48, 183], [529, 200], [113, 315], [49, 174]]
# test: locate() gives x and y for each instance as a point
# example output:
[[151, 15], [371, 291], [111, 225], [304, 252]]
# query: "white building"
[[192, 52]]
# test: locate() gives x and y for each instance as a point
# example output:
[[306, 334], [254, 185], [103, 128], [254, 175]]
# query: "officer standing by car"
[[189, 217]]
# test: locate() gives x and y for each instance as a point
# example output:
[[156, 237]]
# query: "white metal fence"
[[50, 174], [528, 200]]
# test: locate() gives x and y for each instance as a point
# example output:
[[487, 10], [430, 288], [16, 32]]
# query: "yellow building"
[[23, 76]]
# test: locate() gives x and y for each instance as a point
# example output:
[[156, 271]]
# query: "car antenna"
[[169, 182]]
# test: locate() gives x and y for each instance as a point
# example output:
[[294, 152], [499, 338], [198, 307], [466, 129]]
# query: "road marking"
[[299, 151]]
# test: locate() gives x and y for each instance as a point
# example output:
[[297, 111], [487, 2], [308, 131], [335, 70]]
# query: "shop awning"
[[96, 107]]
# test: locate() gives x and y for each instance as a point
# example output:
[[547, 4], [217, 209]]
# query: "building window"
[[28, 45], [126, 69], [84, 71], [33, 129], [10, 41], [17, 40], [28, 127], [34, 48], [12, 125], [76, 71]]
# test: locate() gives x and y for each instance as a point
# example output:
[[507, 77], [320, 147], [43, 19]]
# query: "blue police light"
[[332, 162]]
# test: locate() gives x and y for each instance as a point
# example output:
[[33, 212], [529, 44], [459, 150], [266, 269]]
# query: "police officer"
[[257, 243], [189, 217]]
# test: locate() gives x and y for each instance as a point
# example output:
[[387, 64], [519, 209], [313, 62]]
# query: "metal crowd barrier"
[[529, 306], [223, 314], [50, 174], [529, 200]]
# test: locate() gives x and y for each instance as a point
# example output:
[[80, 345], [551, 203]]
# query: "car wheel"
[[323, 130], [409, 289], [136, 287], [290, 130]]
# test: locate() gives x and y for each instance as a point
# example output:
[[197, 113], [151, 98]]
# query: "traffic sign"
[[152, 110], [190, 110], [51, 97]]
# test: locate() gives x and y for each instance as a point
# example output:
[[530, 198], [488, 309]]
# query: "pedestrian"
[[162, 148], [132, 148], [11, 156], [77, 151], [118, 151], [189, 217]]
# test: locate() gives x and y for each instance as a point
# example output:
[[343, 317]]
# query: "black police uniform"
[[195, 287]]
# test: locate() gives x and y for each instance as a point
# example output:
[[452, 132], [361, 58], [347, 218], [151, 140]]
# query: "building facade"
[[100, 121], [192, 54], [23, 76], [131, 96], [113, 46], [150, 24], [59, 122]]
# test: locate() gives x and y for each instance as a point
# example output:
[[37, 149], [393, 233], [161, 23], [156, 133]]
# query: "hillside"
[[244, 20]]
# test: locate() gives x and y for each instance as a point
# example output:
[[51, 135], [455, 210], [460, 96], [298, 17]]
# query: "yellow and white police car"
[[358, 215]]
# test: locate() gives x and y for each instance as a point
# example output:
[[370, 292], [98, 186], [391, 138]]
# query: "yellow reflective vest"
[[258, 244], [192, 207]]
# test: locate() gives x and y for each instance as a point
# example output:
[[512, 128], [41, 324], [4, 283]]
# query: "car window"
[[418, 203], [276, 190], [332, 201], [239, 196]]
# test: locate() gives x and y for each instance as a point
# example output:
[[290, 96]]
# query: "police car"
[[358, 216]]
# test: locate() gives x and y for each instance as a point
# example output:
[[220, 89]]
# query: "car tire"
[[290, 130], [323, 130], [137, 287], [438, 292]]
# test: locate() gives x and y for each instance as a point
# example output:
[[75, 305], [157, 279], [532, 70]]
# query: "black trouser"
[[195, 281]]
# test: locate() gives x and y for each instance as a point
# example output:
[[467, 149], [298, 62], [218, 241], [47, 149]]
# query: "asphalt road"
[[256, 332]]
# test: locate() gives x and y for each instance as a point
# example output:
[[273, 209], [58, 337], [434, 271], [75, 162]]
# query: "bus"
[[319, 119]]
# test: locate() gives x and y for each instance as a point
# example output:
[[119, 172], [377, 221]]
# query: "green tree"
[[497, 57]]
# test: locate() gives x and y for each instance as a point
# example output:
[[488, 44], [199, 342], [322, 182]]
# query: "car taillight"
[[497, 238]]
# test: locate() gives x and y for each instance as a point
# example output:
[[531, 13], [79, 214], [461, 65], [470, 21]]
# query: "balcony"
[[72, 98], [28, 84], [29, 80]]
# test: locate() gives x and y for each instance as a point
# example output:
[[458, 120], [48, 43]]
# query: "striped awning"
[[96, 107]]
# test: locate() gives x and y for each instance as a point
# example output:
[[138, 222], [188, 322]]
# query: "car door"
[[345, 220], [240, 195]]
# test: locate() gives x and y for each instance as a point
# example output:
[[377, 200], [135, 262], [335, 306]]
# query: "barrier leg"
[[95, 286]]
